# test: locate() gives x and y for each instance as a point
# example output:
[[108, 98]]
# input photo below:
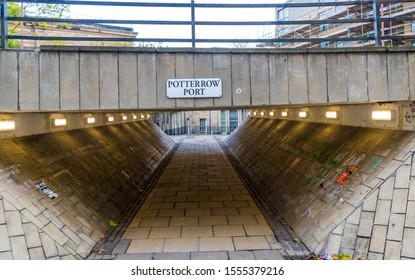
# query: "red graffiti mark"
[[294, 163], [346, 175]]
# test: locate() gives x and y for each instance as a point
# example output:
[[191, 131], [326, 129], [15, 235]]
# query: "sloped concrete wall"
[[297, 166], [95, 173]]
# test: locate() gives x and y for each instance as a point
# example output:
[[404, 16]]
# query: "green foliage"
[[38, 10], [149, 45], [13, 9], [126, 44], [47, 10], [35, 10], [13, 44], [344, 256], [113, 223], [110, 44], [55, 43]]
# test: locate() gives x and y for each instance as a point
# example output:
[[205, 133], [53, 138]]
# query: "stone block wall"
[[299, 167], [383, 227], [94, 172]]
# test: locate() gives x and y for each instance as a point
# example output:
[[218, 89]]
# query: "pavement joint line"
[[113, 235], [267, 208]]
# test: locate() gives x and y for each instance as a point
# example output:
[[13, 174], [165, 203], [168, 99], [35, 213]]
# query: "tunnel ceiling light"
[[332, 115], [90, 120], [142, 116], [7, 125], [284, 114], [382, 115], [124, 118], [262, 113], [271, 114], [110, 119], [148, 116], [255, 113], [302, 114], [134, 117], [249, 113], [59, 122]]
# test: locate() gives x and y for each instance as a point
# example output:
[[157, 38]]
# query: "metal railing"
[[193, 7]]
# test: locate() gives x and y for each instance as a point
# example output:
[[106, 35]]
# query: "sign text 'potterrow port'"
[[194, 88]]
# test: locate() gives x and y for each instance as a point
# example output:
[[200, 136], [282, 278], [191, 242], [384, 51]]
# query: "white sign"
[[194, 88]]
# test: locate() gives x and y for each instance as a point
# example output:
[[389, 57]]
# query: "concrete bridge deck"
[[88, 78]]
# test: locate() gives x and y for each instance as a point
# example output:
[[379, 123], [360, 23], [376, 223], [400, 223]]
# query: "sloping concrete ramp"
[[58, 192], [342, 189]]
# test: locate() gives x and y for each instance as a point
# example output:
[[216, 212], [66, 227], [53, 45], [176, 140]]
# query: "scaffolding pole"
[[377, 23]]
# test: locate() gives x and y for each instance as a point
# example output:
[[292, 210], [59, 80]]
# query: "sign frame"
[[194, 88]]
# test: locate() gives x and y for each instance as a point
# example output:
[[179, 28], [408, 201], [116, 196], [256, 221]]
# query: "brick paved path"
[[199, 209]]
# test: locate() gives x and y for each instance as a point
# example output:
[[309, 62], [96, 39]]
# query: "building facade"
[[392, 28], [70, 30], [200, 122]]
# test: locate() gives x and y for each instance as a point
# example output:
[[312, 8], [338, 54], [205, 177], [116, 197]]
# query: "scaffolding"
[[403, 28]]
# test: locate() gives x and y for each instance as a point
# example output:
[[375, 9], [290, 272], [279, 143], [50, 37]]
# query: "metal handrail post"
[[377, 24], [3, 23], [193, 8]]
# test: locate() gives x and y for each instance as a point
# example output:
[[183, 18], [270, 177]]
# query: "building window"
[[324, 27], [202, 126], [223, 124], [340, 44], [244, 114], [324, 44], [413, 26], [233, 120], [324, 15], [283, 14]]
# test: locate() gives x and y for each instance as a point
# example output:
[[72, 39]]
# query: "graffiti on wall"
[[322, 187]]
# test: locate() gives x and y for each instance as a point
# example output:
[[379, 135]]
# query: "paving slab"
[[251, 243], [146, 246], [216, 244], [268, 255], [241, 255], [209, 256], [19, 248], [181, 245], [199, 231], [172, 256], [135, 256]]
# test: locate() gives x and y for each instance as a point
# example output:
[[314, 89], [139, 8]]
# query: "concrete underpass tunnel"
[[280, 186]]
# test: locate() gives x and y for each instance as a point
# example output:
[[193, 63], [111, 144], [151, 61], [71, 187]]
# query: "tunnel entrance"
[[273, 188], [200, 208]]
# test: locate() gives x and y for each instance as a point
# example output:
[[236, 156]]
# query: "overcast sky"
[[208, 14]]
